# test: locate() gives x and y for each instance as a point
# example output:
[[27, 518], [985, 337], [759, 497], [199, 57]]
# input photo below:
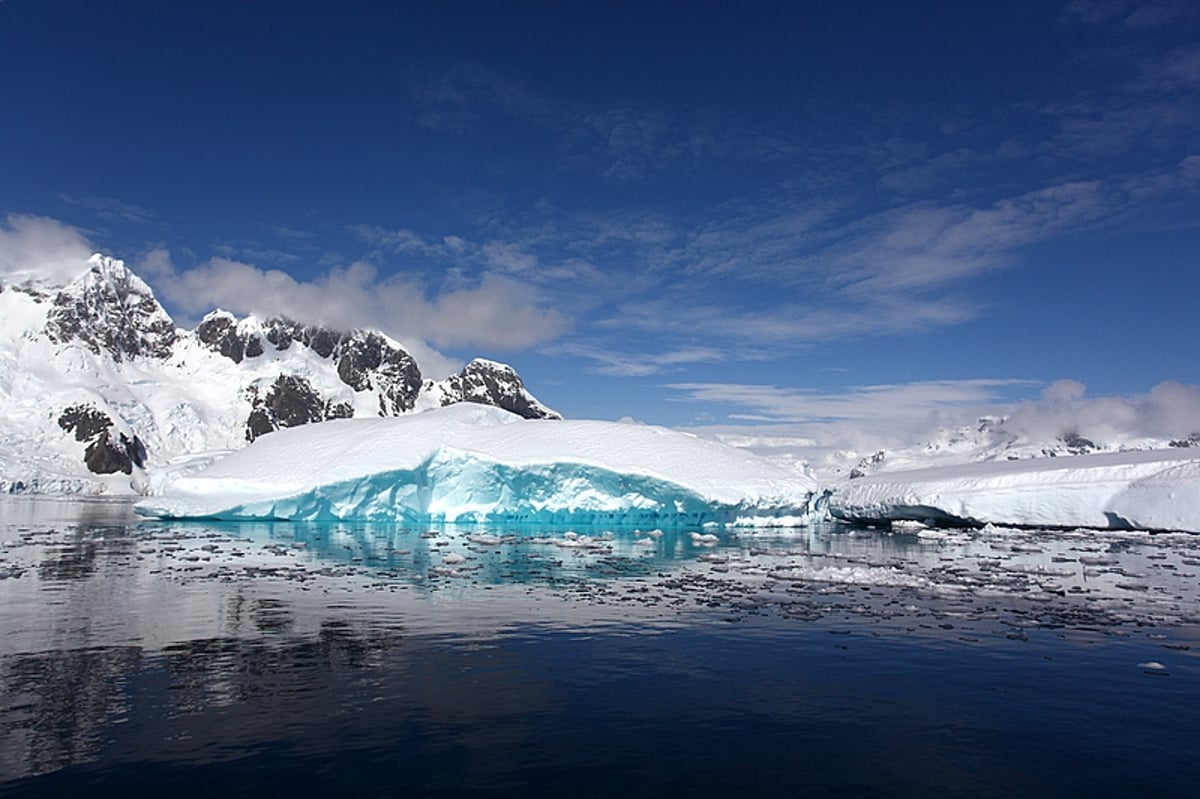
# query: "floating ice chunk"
[[469, 463], [1145, 490], [849, 575]]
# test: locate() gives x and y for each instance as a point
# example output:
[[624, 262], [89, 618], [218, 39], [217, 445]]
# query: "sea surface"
[[202, 659]]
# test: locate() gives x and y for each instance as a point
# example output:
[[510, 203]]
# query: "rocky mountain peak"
[[111, 310], [214, 388], [491, 383], [219, 331]]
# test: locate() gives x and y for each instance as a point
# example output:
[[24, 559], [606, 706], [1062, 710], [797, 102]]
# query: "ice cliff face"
[[98, 385], [1144, 490], [468, 463]]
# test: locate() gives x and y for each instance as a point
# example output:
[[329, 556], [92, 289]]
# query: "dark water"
[[345, 660]]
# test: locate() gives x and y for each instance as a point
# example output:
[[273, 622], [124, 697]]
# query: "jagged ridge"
[[96, 378]]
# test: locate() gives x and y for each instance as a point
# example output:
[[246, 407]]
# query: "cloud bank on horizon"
[[907, 415], [810, 214]]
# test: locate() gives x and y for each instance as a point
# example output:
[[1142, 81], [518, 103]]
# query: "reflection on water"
[[364, 659]]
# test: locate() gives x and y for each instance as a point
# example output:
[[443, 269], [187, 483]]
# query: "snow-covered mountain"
[[99, 386], [992, 439]]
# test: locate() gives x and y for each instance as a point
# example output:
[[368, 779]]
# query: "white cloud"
[[619, 142], [927, 246], [493, 312], [784, 326], [1175, 69], [40, 247], [859, 417], [622, 364], [888, 403], [909, 414], [397, 242], [111, 209], [1170, 409], [1133, 14], [509, 257]]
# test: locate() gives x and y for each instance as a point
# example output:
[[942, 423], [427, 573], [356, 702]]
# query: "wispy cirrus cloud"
[[860, 418], [1131, 14], [1132, 93], [619, 141], [642, 364], [899, 416], [782, 273], [110, 209], [904, 270], [891, 404], [456, 99]]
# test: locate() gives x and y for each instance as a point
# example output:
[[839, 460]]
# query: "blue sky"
[[793, 211]]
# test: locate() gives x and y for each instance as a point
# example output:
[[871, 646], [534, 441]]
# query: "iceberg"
[[472, 463], [1140, 490]]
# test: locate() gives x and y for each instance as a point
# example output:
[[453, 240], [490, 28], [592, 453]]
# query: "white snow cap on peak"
[[115, 272], [490, 364], [218, 313]]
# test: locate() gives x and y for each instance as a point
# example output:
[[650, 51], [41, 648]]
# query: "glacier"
[[481, 464], [100, 349], [1141, 490], [472, 463]]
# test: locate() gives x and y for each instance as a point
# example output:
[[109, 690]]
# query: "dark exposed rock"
[[1191, 441], [1077, 444], [281, 331], [491, 383], [259, 423], [367, 360], [104, 454], [33, 291], [290, 402], [321, 340], [339, 410], [219, 332], [867, 465], [112, 311], [84, 420]]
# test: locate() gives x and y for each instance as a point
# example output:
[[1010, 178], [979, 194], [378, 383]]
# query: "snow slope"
[[472, 463], [1148, 490], [99, 389]]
